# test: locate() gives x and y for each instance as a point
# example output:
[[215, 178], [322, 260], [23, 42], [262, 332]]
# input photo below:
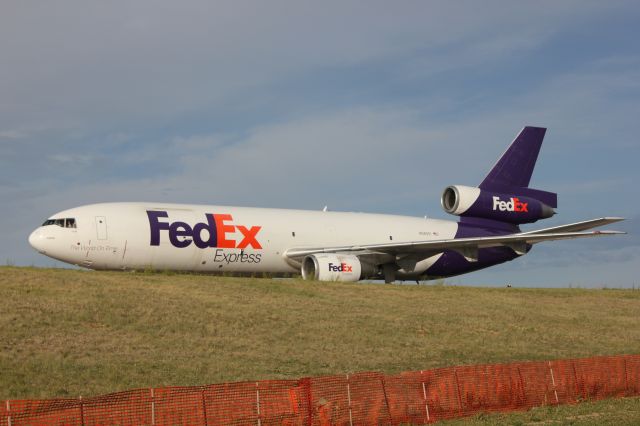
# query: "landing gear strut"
[[389, 272]]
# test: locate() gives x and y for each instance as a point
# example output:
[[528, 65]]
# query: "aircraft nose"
[[36, 239]]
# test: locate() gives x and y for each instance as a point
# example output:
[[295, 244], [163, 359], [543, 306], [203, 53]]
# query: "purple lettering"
[[156, 226], [210, 227], [180, 229]]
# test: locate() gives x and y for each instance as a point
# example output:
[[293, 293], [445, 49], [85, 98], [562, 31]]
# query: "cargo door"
[[101, 227]]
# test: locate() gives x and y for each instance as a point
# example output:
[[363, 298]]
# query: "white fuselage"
[[321, 245], [126, 236]]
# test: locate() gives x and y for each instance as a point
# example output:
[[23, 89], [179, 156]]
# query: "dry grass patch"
[[66, 333], [611, 412]]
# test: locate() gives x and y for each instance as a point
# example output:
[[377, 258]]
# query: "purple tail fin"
[[514, 169]]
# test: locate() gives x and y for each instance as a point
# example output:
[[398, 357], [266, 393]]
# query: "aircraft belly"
[[452, 263]]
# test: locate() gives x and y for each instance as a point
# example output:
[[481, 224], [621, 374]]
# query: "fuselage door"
[[101, 227]]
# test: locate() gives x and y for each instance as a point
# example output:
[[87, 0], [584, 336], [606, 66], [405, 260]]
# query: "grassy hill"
[[613, 412], [68, 333]]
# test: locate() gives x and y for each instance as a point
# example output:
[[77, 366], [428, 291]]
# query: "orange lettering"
[[249, 237], [223, 230]]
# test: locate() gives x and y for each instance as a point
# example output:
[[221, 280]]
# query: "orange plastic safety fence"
[[416, 397]]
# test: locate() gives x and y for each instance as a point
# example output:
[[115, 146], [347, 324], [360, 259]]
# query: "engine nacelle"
[[468, 201], [334, 267]]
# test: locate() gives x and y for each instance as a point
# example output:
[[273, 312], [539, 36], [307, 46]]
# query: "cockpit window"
[[63, 223]]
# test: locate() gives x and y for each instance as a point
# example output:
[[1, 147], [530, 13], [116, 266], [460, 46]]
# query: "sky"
[[370, 106]]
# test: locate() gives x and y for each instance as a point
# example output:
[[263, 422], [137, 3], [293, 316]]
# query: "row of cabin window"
[[65, 223]]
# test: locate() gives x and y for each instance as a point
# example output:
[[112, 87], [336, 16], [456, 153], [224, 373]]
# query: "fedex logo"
[[343, 267], [513, 205], [215, 232]]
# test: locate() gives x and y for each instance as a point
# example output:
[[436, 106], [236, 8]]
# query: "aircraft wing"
[[578, 226], [468, 247]]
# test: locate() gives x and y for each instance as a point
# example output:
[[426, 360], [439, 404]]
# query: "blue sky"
[[366, 106]]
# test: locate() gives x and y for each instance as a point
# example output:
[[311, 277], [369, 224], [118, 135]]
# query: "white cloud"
[[12, 134], [96, 64], [73, 159]]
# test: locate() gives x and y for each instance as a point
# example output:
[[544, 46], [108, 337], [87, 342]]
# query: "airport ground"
[[65, 333]]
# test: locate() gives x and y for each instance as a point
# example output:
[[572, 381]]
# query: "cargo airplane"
[[321, 245]]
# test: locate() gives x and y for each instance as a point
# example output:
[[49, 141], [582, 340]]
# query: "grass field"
[[613, 412], [67, 333]]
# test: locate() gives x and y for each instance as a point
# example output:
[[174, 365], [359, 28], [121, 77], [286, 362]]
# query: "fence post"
[[153, 408], [579, 394], [627, 391], [383, 382], [349, 400], [455, 376], [522, 388], [8, 413], [258, 402], [424, 395], [553, 382], [306, 382], [81, 411], [204, 407]]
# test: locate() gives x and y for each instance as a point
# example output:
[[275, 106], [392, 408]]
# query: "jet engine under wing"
[[468, 247]]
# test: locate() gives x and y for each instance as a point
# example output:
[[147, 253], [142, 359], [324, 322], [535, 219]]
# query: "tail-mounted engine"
[[513, 208]]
